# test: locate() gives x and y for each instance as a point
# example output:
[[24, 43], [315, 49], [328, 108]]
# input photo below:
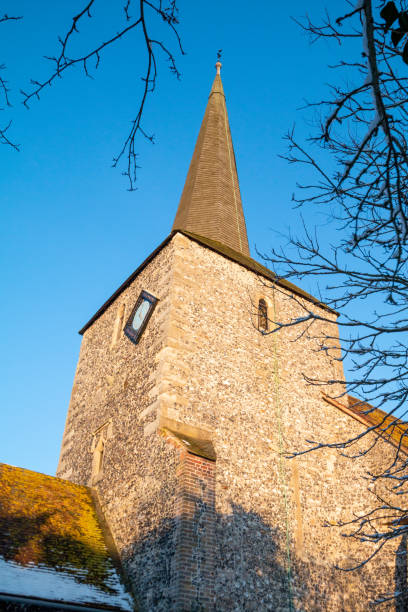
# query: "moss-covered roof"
[[52, 546]]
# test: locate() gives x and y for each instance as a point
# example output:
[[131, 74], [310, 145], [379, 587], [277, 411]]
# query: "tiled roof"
[[387, 426], [210, 204], [52, 547]]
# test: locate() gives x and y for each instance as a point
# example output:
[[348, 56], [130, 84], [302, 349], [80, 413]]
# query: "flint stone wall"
[[138, 483], [201, 361]]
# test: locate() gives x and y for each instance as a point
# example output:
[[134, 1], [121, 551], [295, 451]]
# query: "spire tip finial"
[[218, 65]]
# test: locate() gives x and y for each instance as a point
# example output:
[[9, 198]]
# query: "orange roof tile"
[[387, 426]]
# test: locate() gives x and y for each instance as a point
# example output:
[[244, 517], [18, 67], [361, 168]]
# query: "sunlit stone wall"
[[202, 362]]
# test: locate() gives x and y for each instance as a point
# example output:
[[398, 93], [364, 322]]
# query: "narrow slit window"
[[117, 330], [262, 316], [97, 463], [98, 450]]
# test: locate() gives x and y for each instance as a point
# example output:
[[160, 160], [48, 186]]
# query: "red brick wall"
[[195, 534]]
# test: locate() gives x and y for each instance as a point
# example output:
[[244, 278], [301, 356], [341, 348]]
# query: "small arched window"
[[262, 316]]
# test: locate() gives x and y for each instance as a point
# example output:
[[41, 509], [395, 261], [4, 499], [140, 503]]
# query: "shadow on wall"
[[401, 576], [250, 567], [252, 572], [256, 571]]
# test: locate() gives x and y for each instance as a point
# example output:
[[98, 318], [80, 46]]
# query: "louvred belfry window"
[[262, 316]]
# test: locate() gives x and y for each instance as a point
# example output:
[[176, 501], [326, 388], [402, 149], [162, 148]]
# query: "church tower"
[[184, 407]]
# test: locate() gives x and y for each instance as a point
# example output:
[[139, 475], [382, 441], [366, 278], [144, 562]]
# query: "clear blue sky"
[[71, 232]]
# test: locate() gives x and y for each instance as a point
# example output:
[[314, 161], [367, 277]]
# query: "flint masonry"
[[184, 407]]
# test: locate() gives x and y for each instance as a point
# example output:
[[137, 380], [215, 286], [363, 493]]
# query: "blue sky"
[[71, 232]]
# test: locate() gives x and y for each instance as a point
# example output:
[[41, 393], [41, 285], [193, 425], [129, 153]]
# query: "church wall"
[[116, 383], [201, 362], [274, 549]]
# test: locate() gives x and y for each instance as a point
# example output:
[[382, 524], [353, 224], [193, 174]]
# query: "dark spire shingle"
[[210, 204]]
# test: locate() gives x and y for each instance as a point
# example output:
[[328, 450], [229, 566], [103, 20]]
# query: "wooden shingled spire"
[[210, 204]]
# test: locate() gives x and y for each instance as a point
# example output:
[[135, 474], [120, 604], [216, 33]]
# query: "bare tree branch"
[[363, 128], [4, 93], [150, 14]]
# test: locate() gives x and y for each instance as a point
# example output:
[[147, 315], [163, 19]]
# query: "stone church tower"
[[184, 407]]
